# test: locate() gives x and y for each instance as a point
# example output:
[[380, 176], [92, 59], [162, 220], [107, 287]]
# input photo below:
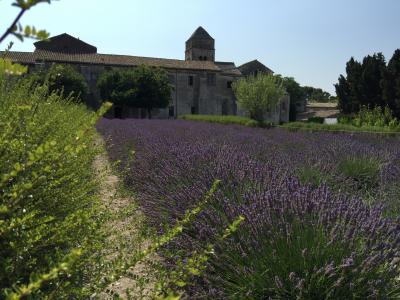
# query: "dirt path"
[[127, 237]]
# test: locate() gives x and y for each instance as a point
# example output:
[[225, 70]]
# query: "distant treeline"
[[371, 83]]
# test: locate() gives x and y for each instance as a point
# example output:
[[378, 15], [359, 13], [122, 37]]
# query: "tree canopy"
[[297, 95], [370, 83], [141, 87], [259, 94], [63, 78]]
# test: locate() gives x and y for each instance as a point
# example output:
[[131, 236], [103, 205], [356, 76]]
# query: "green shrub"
[[318, 120], [375, 117], [259, 94], [48, 200], [294, 126], [62, 78], [224, 120]]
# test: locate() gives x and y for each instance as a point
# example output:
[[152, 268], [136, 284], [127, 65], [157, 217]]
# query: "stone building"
[[201, 84]]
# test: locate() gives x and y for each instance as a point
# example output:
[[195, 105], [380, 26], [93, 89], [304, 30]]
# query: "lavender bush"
[[329, 238]]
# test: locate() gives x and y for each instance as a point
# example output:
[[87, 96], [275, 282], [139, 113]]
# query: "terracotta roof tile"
[[109, 60]]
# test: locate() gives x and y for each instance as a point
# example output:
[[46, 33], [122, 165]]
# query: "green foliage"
[[64, 79], [195, 264], [259, 94], [48, 204], [141, 87], [7, 68], [376, 117], [364, 171], [319, 120], [294, 126], [297, 95], [318, 95], [223, 120], [370, 83], [284, 267], [27, 31]]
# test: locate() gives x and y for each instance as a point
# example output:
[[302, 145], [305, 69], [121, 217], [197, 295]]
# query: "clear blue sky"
[[310, 40]]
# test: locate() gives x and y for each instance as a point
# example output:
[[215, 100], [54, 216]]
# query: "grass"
[[295, 126], [364, 171], [223, 120]]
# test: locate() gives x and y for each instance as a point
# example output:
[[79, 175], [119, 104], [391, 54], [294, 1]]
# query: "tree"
[[391, 85], [259, 94], [370, 83], [141, 87], [62, 78], [317, 95], [297, 95]]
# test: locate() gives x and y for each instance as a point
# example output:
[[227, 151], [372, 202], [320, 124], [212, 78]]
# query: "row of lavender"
[[320, 209]]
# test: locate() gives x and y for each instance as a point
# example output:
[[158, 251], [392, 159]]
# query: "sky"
[[310, 40]]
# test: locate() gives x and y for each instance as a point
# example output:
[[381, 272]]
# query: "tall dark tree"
[[391, 85], [372, 76], [141, 87], [363, 84], [297, 95]]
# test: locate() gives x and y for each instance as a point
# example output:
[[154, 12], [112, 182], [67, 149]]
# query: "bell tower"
[[200, 46]]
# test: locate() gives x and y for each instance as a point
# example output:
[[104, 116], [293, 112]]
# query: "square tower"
[[200, 46]]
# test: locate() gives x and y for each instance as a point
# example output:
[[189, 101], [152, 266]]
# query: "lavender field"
[[321, 210]]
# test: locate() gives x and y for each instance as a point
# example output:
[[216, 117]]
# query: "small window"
[[229, 84], [211, 79], [204, 58], [200, 57], [193, 110], [190, 80]]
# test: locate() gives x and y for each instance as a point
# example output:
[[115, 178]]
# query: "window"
[[190, 80], [193, 110], [229, 84], [211, 79]]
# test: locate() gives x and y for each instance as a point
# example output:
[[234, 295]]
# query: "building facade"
[[202, 85]]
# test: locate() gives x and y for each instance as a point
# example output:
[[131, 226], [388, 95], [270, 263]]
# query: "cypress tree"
[[391, 85]]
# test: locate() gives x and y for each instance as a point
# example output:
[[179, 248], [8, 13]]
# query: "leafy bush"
[[48, 199], [318, 120], [62, 78], [223, 120], [141, 87], [258, 94], [375, 117]]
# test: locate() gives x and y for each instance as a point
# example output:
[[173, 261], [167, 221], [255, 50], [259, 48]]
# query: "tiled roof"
[[228, 68], [200, 33], [109, 60], [65, 43], [252, 66]]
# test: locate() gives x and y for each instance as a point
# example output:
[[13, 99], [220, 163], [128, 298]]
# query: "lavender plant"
[[300, 240]]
